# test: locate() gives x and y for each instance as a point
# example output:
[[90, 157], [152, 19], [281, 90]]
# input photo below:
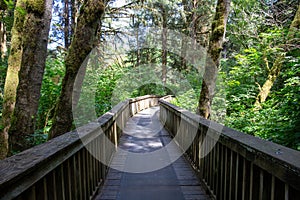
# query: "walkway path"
[[142, 169]]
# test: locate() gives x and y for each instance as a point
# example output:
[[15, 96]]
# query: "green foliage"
[[50, 92], [278, 120], [106, 83], [3, 68], [253, 43], [189, 99]]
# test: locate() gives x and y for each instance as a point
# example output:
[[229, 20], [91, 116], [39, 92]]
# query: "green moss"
[[219, 31], [37, 6]]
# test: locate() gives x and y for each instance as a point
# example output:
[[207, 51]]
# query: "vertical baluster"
[[115, 135], [93, 180], [76, 175], [214, 174], [286, 191], [200, 152], [261, 184], [222, 172], [95, 173], [251, 182], [45, 188], [95, 163], [84, 174], [273, 188], [230, 175], [244, 179], [203, 154], [98, 162], [210, 163], [80, 174], [30, 194], [225, 172], [88, 169], [62, 195], [237, 177], [218, 167], [69, 174], [197, 149], [54, 186]]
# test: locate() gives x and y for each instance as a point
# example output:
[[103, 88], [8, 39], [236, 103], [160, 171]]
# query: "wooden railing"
[[231, 164], [68, 167]]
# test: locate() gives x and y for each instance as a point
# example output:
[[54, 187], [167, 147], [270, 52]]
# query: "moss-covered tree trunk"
[[33, 30], [83, 42], [276, 68], [213, 60], [12, 79]]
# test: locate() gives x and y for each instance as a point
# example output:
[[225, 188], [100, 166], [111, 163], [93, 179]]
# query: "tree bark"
[[3, 45], [34, 39], [196, 25], [213, 58], [83, 42], [164, 45], [66, 24], [12, 79], [276, 68]]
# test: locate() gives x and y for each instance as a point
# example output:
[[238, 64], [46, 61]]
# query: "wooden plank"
[[185, 180]]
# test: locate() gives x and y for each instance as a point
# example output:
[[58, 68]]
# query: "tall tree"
[[164, 54], [12, 79], [3, 45], [30, 38], [83, 42], [274, 71], [212, 62]]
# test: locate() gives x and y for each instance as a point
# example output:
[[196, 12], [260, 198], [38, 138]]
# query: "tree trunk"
[[213, 58], [184, 41], [164, 45], [66, 24], [34, 39], [201, 21], [275, 70], [3, 46], [73, 17], [196, 24], [12, 79], [272, 76], [81, 45]]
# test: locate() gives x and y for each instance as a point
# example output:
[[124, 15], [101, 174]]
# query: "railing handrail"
[[280, 161], [21, 171]]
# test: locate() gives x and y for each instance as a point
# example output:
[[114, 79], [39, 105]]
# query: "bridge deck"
[[142, 167]]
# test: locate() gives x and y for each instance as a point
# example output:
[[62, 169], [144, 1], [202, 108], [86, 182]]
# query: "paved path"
[[142, 168]]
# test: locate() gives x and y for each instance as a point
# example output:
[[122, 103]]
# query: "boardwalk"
[[144, 134], [148, 163]]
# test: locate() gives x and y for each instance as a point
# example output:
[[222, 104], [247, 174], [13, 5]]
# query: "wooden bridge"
[[113, 159]]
